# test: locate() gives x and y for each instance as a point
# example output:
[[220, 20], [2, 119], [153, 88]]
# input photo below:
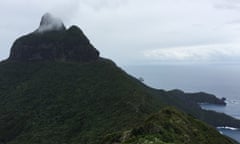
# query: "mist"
[[48, 22]]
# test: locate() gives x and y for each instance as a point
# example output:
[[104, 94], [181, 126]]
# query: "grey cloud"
[[103, 4], [123, 29], [236, 21], [227, 4]]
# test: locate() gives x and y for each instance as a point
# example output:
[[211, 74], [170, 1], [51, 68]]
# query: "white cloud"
[[195, 53]]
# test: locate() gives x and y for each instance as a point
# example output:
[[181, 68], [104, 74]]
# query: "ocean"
[[222, 80]]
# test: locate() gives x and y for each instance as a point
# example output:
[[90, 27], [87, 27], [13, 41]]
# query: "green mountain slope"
[[70, 101], [169, 126], [67, 102]]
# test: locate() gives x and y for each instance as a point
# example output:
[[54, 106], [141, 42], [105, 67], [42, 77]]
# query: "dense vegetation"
[[67, 102], [167, 127]]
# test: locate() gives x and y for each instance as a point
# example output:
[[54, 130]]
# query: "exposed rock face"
[[52, 42]]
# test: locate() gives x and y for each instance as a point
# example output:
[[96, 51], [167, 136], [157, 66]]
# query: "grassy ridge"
[[169, 126]]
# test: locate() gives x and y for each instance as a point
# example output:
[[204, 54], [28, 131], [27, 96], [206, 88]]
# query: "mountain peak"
[[50, 23], [53, 42]]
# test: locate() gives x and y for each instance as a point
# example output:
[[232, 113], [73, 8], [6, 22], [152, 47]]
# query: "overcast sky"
[[137, 31]]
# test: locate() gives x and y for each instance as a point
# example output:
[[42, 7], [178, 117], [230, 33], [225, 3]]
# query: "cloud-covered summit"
[[53, 42], [50, 23]]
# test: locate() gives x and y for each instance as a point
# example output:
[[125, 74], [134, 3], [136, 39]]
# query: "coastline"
[[231, 132]]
